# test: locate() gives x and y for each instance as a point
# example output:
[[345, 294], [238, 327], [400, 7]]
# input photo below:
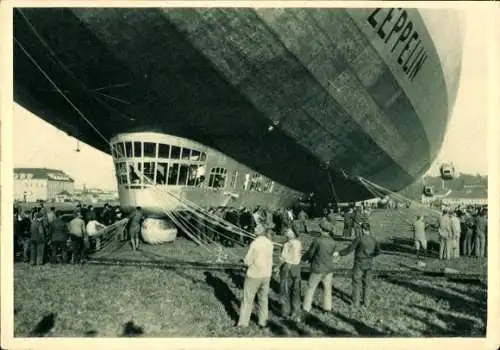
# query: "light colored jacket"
[[259, 258]]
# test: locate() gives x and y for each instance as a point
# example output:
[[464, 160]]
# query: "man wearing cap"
[[365, 249], [320, 255], [259, 260], [290, 277]]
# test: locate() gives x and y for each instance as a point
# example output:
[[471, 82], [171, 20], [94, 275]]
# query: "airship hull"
[[313, 99]]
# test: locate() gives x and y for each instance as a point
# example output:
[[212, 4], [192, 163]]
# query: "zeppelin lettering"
[[397, 30]]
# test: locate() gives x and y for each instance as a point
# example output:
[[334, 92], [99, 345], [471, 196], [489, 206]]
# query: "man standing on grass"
[[365, 249], [480, 238], [444, 235], [259, 260], [79, 238], [455, 235], [136, 220], [290, 277], [348, 223], [38, 239], [419, 236], [320, 255], [58, 237]]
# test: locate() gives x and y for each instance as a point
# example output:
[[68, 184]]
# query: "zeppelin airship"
[[245, 106]]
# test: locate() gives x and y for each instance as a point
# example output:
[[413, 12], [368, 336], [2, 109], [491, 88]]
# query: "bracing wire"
[[60, 91]]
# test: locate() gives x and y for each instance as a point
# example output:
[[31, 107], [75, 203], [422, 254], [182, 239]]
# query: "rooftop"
[[42, 174]]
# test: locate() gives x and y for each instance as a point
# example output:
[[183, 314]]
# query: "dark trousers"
[[26, 244], [467, 244], [78, 249], [347, 230], [57, 246], [37, 251], [290, 290], [357, 231], [361, 283]]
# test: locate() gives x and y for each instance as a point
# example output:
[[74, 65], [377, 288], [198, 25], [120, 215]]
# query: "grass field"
[[109, 301]]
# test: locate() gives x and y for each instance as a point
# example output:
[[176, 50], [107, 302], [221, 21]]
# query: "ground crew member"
[[38, 239], [107, 215], [136, 220], [357, 221], [444, 235], [25, 232], [348, 223], [58, 236], [290, 277], [320, 255], [481, 230], [365, 249], [51, 215], [79, 239], [328, 226], [331, 216], [302, 221], [90, 214], [455, 235], [468, 235], [259, 260], [419, 235]]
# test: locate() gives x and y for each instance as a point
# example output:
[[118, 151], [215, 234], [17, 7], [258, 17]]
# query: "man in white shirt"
[[289, 270], [419, 235], [259, 260], [94, 226], [455, 235], [444, 236]]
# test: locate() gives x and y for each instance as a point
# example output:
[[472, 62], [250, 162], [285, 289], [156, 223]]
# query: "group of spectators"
[[42, 234], [462, 232]]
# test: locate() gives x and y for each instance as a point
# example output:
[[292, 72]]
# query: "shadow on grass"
[[44, 326], [91, 333], [405, 246], [457, 302], [314, 322], [455, 325], [346, 298], [130, 329], [224, 294], [360, 327]]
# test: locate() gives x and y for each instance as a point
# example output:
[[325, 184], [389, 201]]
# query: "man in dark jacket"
[[107, 215], [59, 235], [320, 255], [25, 234], [38, 239], [365, 249], [90, 214]]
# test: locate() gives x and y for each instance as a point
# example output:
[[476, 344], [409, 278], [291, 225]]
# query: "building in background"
[[32, 184]]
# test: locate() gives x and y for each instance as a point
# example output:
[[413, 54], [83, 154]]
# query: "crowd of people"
[[462, 233], [42, 234]]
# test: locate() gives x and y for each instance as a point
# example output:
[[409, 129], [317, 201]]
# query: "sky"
[[38, 144]]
